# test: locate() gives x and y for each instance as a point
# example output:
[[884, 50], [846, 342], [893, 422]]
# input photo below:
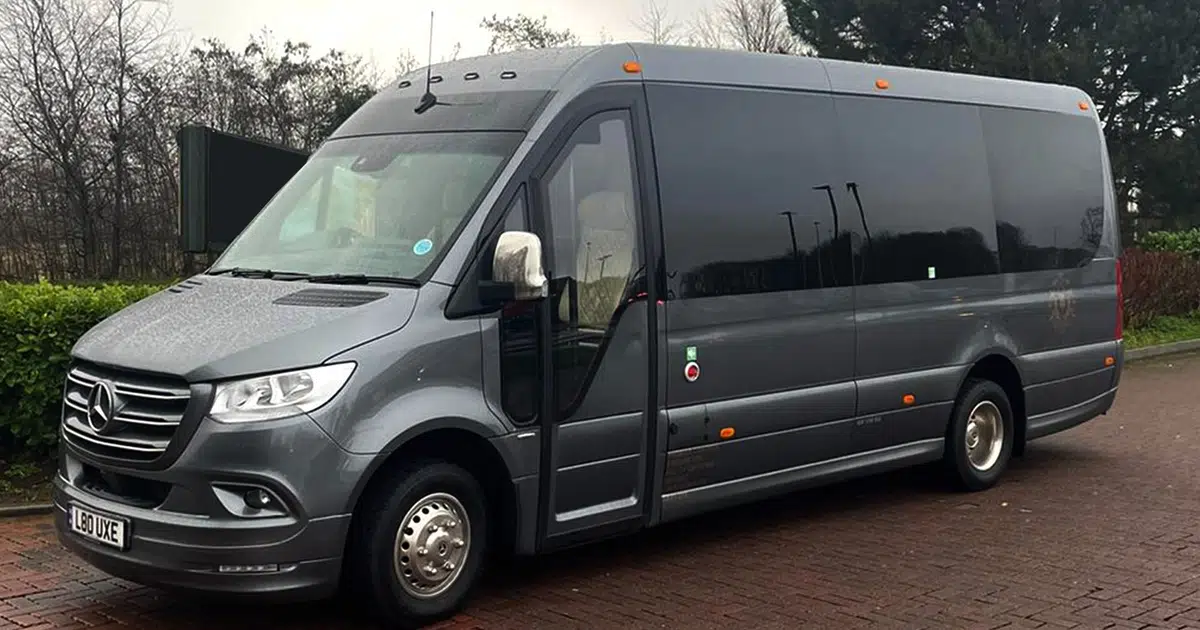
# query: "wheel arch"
[[1002, 368], [455, 440]]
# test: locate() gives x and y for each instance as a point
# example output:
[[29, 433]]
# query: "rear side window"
[[745, 179], [1048, 185], [919, 176]]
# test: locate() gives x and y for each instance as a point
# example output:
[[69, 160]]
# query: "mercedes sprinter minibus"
[[530, 300]]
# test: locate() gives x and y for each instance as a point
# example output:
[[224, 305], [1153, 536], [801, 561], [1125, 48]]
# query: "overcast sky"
[[382, 29]]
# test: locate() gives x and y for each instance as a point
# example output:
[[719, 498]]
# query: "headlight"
[[279, 395]]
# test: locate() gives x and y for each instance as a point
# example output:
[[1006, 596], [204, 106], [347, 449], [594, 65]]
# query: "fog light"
[[258, 499]]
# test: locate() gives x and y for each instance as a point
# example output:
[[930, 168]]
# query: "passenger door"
[[595, 326]]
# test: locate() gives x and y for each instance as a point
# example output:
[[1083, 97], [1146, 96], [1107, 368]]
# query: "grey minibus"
[[525, 301]]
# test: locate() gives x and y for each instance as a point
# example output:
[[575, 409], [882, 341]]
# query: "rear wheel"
[[422, 545], [979, 441]]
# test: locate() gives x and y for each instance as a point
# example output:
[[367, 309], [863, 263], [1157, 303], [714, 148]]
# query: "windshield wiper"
[[243, 272], [358, 278], [266, 274]]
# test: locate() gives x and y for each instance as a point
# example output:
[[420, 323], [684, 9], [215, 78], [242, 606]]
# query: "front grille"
[[145, 413]]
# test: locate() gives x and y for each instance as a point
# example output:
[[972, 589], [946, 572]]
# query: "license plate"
[[102, 529]]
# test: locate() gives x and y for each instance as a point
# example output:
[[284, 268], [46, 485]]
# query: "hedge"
[[38, 325], [1158, 284], [40, 322], [1185, 242]]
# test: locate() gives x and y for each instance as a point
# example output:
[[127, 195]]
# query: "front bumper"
[[187, 530]]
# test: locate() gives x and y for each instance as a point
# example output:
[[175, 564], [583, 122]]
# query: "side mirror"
[[517, 262]]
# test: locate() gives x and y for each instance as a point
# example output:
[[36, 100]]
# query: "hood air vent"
[[190, 283], [330, 298]]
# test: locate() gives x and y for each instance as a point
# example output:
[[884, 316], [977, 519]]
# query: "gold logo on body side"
[[1062, 303]]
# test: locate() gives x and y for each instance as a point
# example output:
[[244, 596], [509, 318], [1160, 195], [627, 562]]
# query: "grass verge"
[[1168, 329]]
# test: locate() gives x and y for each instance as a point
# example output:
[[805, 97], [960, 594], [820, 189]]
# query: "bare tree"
[[523, 32], [51, 56], [406, 62], [707, 31], [754, 25], [656, 23], [137, 30]]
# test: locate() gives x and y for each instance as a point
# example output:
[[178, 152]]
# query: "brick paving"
[[1094, 528]]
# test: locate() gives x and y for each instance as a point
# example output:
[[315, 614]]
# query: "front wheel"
[[979, 442], [423, 544]]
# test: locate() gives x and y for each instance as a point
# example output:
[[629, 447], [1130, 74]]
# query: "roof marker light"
[[632, 67], [1083, 106], [882, 84]]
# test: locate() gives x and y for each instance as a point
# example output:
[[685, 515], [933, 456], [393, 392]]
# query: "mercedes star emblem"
[[101, 406]]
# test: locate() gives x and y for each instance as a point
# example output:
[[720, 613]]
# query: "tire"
[[424, 493], [981, 468]]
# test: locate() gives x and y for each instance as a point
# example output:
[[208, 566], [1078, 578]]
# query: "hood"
[[215, 327]]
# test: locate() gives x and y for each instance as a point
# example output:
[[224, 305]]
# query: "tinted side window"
[[741, 175], [920, 180], [1048, 186]]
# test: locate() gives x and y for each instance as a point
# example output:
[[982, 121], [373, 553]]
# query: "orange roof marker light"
[[1083, 106], [882, 84], [632, 67]]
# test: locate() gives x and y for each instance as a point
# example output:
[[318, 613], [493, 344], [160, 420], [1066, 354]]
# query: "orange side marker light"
[[1110, 361], [727, 433], [909, 399]]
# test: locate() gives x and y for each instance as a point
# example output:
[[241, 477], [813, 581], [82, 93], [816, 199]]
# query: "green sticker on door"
[[691, 353]]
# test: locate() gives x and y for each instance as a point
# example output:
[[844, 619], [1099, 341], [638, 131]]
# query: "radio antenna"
[[429, 100]]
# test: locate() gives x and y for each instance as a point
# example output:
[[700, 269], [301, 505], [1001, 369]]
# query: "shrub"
[[1158, 284], [1186, 242], [38, 325]]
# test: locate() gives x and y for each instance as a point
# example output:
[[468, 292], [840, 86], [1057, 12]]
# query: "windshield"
[[380, 206]]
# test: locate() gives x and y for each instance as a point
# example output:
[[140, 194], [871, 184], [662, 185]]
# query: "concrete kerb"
[[1161, 350], [1136, 354], [16, 511]]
